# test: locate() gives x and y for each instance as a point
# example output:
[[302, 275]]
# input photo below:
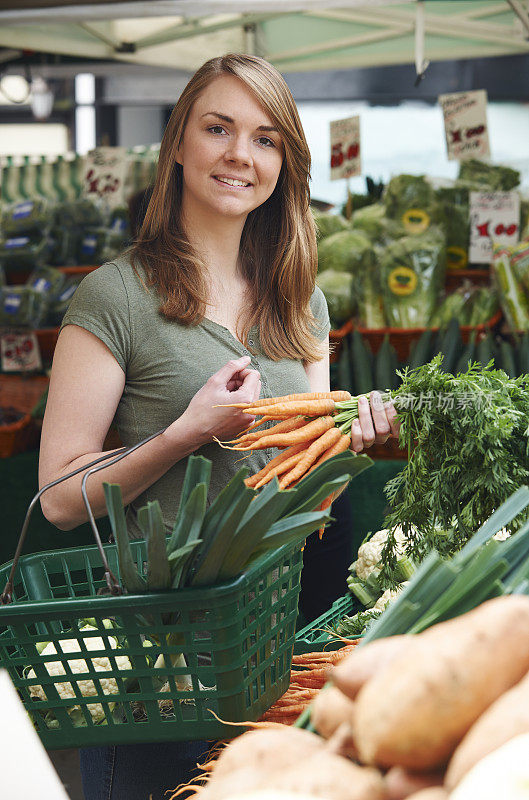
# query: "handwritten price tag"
[[105, 174], [466, 130], [20, 352], [345, 148], [494, 217]]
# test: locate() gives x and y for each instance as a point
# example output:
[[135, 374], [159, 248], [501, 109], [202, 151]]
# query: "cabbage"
[[337, 288], [372, 221], [495, 177], [346, 251], [327, 224], [406, 194]]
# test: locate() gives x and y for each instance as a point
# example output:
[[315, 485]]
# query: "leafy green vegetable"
[[337, 288], [405, 192], [373, 221], [412, 271], [490, 176], [345, 251], [327, 223], [468, 440]]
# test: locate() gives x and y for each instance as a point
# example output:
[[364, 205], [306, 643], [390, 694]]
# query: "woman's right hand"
[[233, 383]]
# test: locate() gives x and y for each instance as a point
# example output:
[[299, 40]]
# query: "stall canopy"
[[295, 35]]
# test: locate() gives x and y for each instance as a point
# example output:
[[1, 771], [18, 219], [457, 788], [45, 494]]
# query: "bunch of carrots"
[[310, 673], [308, 428]]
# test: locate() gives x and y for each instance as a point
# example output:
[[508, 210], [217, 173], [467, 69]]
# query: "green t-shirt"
[[166, 363]]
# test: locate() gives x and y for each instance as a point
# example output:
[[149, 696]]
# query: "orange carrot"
[[285, 466], [309, 408], [338, 447], [338, 396], [309, 431], [278, 461], [290, 424], [326, 440]]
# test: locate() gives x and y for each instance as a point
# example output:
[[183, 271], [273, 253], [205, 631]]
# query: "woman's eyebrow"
[[225, 118]]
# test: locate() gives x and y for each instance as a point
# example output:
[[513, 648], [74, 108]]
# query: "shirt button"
[[250, 342]]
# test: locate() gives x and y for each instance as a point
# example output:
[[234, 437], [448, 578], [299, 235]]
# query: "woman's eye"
[[264, 140], [216, 129]]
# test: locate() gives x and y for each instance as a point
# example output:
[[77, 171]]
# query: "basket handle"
[[110, 458]]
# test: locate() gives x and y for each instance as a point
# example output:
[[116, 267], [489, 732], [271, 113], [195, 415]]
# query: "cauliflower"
[[388, 597], [369, 553], [78, 666]]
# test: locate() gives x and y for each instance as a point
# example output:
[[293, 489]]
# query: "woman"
[[214, 303]]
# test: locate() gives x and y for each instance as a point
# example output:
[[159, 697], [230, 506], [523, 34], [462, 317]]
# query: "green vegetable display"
[[337, 288], [373, 221]]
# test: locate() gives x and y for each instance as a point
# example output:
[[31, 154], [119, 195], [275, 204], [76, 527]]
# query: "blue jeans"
[[139, 771]]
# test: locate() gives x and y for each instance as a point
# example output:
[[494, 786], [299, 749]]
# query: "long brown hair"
[[278, 243]]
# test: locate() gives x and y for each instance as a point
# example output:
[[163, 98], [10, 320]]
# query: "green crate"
[[316, 636], [237, 639]]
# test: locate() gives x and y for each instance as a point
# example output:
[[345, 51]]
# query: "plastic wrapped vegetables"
[[451, 212], [412, 271], [337, 288], [409, 199], [513, 300]]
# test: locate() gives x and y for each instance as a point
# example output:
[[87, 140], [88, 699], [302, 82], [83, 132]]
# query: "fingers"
[[380, 420], [230, 370], [375, 424]]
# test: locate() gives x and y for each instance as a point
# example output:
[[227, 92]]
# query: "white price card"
[[105, 174], [345, 148], [20, 352], [466, 129], [494, 217]]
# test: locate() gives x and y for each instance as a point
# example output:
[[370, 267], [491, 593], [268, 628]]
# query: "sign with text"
[[466, 130], [345, 148], [20, 352], [105, 173], [494, 217]]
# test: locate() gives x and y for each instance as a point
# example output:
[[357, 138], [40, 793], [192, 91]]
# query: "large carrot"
[[338, 447], [287, 425], [285, 466], [308, 408], [337, 395], [319, 446], [310, 431], [278, 461]]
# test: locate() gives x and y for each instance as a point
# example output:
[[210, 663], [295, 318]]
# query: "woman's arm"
[[85, 388]]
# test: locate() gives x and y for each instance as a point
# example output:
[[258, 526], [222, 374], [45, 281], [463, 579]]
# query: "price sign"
[[466, 130], [20, 352], [105, 173], [345, 148], [494, 217]]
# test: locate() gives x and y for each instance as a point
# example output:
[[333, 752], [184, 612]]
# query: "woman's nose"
[[239, 150]]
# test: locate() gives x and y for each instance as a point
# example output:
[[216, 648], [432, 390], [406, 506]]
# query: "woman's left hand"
[[377, 422]]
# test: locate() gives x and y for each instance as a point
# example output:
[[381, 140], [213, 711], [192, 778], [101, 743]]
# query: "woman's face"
[[231, 152]]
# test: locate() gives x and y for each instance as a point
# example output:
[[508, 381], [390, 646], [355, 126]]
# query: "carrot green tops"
[[166, 363]]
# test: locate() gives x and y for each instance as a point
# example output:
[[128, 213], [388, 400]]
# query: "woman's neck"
[[217, 242]]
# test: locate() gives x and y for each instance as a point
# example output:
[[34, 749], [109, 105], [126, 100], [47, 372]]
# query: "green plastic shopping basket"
[[237, 640]]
